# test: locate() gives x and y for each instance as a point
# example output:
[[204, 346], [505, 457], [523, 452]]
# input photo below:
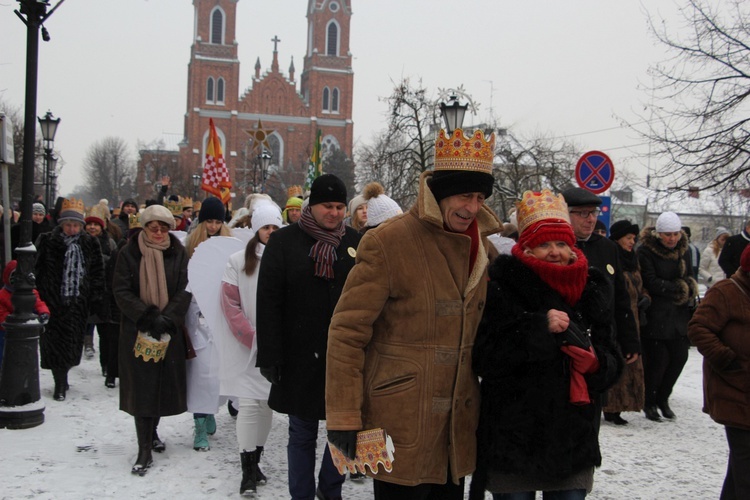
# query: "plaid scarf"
[[323, 252], [73, 265]]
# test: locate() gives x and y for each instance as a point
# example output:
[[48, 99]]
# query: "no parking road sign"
[[595, 172]]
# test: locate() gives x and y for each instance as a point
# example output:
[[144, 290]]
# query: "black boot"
[[666, 410], [615, 418], [652, 413], [156, 443], [61, 383], [249, 482], [259, 475], [144, 428]]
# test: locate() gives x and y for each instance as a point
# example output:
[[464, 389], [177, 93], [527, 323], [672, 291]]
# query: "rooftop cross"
[[275, 40]]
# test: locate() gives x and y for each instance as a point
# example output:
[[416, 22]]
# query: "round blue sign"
[[595, 172]]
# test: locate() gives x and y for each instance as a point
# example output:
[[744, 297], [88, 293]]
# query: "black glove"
[[644, 302], [44, 318], [345, 441], [272, 374], [162, 324], [574, 336]]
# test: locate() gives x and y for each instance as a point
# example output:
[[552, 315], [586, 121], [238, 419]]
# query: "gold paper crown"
[[458, 152], [174, 206], [294, 191], [534, 207], [99, 211], [197, 205], [186, 202], [72, 205], [134, 221]]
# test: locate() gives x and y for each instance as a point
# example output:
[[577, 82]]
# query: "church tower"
[[327, 80]]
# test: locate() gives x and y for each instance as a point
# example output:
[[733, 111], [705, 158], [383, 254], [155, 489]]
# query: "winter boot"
[[200, 441], [88, 346], [156, 443], [210, 425], [144, 428], [231, 409], [261, 478], [666, 410], [249, 482], [652, 413], [61, 383]]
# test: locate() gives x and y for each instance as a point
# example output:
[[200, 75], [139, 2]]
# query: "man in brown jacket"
[[400, 341]]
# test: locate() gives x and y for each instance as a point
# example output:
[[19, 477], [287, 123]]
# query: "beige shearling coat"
[[400, 342]]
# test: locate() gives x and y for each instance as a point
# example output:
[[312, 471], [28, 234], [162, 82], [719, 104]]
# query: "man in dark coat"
[[302, 274], [729, 258], [129, 206], [602, 254]]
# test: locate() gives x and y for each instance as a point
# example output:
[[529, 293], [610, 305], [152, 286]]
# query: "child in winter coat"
[[6, 306]]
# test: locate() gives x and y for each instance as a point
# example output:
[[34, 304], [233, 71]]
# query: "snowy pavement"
[[86, 447]]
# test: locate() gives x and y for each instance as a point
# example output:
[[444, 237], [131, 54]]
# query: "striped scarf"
[[73, 268], [323, 252]]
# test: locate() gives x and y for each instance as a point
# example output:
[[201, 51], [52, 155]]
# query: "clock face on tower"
[[333, 6]]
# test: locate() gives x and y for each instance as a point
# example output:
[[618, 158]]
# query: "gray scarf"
[[73, 268]]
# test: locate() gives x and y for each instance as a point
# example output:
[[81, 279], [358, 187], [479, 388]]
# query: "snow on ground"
[[86, 447]]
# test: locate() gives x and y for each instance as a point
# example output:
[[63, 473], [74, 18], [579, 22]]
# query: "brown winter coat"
[[719, 329], [400, 342], [149, 389]]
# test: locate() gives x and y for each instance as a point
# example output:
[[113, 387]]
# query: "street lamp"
[[21, 405], [196, 182], [453, 114], [49, 128], [264, 159]]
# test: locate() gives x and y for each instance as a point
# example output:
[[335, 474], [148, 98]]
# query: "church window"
[[332, 39], [333, 6], [335, 101], [220, 91], [210, 90], [326, 100], [217, 26]]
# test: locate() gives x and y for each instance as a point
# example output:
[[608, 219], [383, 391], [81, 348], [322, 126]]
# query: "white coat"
[[202, 371], [710, 267], [238, 375]]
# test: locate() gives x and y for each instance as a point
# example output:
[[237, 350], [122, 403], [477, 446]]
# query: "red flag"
[[215, 178]]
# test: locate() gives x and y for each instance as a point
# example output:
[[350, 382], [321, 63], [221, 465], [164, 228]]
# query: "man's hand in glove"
[[272, 374], [345, 441]]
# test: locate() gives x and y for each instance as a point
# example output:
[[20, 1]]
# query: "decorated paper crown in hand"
[[535, 207], [458, 152], [174, 206], [134, 221]]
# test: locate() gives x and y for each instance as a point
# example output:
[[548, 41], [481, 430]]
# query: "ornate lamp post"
[[49, 128], [264, 160], [196, 183], [453, 114], [21, 406]]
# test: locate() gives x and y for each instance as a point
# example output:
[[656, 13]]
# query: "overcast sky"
[[561, 68]]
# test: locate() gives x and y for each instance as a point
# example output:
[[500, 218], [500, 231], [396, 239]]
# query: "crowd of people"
[[481, 347]]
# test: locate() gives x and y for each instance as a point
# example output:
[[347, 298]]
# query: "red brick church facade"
[[275, 113]]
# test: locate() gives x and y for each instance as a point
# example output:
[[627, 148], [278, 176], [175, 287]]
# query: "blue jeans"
[[303, 440], [546, 495]]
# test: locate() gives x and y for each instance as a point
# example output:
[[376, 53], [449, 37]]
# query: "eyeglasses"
[[157, 229], [584, 214]]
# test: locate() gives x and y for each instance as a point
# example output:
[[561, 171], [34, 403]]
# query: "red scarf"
[[569, 281]]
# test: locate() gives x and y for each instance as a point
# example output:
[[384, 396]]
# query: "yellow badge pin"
[[610, 269], [352, 252]]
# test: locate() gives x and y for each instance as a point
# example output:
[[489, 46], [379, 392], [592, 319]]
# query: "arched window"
[[335, 101], [277, 150], [332, 39], [220, 91], [210, 90], [326, 99], [217, 27]]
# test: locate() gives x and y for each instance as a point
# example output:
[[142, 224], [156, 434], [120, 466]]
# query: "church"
[[276, 115]]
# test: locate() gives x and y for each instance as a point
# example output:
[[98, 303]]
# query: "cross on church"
[[275, 40]]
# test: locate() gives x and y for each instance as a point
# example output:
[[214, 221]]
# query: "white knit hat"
[[721, 230], [355, 203], [668, 222], [157, 213], [380, 207], [266, 214]]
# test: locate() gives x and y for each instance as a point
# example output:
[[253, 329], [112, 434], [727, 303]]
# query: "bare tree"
[[15, 175], [108, 168], [337, 163], [406, 149], [698, 122]]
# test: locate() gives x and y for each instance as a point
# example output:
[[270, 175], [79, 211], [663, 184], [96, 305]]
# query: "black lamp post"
[[196, 184], [453, 114], [21, 406], [49, 129], [264, 160]]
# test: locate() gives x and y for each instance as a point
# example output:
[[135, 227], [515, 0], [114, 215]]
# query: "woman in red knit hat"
[[545, 354]]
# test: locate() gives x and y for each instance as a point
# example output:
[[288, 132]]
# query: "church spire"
[[291, 70], [275, 64], [257, 68]]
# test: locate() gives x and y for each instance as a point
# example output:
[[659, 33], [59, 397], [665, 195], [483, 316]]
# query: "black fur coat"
[[527, 424]]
